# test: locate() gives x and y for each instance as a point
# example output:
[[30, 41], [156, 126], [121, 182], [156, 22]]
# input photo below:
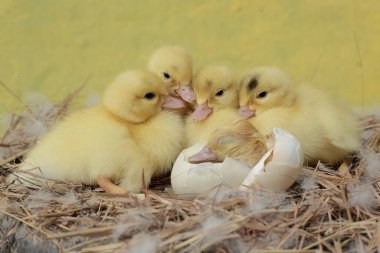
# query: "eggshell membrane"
[[274, 173]]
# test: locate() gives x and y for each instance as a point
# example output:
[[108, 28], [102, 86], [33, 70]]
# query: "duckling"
[[175, 67], [238, 139], [325, 128], [217, 103], [128, 138]]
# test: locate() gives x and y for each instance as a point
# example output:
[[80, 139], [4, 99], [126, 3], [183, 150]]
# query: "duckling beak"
[[246, 113], [201, 112], [173, 102], [186, 93], [205, 155]]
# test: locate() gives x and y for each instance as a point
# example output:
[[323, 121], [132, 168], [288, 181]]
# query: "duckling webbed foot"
[[109, 187]]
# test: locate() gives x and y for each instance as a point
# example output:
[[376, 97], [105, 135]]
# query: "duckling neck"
[[129, 119], [291, 99]]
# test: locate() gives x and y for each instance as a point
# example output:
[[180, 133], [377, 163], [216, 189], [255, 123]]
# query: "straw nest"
[[329, 209]]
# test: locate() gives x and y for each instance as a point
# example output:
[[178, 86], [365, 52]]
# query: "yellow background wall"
[[51, 46]]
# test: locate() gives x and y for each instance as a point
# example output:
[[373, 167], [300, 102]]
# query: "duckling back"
[[338, 125], [81, 147]]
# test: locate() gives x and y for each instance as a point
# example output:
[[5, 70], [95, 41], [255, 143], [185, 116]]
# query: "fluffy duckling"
[[238, 139], [217, 103], [128, 138], [175, 67], [326, 130]]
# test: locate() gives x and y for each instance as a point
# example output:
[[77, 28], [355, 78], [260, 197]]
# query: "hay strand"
[[328, 209]]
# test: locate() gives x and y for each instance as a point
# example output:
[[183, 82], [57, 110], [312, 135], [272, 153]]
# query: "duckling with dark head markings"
[[126, 138], [326, 129]]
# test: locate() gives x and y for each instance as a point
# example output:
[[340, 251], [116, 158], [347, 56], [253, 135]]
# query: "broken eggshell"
[[276, 171], [279, 167]]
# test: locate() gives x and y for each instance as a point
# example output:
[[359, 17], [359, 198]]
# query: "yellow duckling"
[[128, 138], [326, 130], [174, 65], [217, 103], [238, 139]]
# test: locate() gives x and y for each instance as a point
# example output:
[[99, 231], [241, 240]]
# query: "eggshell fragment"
[[279, 167], [276, 170], [188, 178]]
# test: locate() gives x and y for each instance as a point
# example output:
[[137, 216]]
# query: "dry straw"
[[329, 209]]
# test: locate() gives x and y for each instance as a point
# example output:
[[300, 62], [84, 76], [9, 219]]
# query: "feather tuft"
[[372, 161], [361, 195], [142, 243]]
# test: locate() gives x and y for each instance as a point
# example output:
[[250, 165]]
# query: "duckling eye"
[[166, 75], [150, 95], [262, 94], [219, 93]]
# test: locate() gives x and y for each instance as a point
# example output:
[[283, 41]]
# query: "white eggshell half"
[[282, 170], [275, 175], [188, 178]]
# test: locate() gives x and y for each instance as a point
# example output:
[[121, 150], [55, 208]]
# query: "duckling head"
[[262, 89], [174, 66], [238, 139], [136, 96], [215, 88]]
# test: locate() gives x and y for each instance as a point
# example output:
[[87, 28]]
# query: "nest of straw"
[[333, 209]]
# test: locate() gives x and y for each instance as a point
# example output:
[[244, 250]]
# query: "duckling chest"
[[161, 139]]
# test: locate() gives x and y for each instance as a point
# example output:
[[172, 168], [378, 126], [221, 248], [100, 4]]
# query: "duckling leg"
[[109, 187], [136, 179]]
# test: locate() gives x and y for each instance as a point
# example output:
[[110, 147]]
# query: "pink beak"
[[205, 155], [201, 112], [173, 102], [186, 93], [246, 113]]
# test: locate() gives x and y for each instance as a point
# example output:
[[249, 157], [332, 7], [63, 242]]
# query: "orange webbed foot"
[[109, 187]]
